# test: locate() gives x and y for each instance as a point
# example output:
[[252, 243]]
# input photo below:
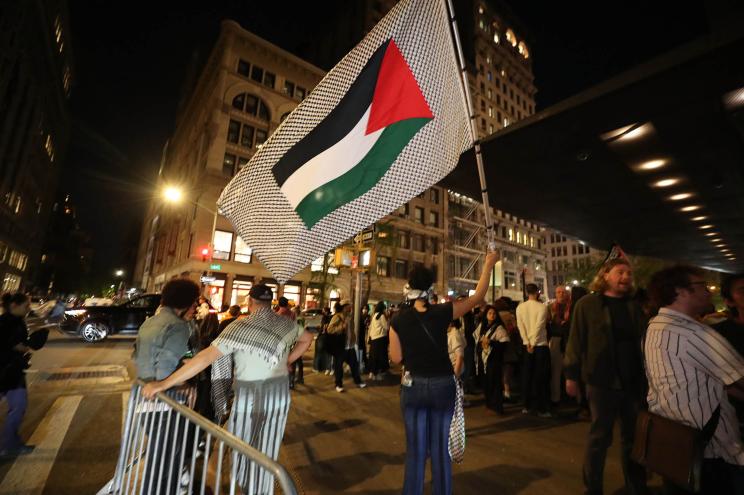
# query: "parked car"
[[313, 319], [95, 323]]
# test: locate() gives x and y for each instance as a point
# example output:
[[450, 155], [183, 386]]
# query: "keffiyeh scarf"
[[263, 334]]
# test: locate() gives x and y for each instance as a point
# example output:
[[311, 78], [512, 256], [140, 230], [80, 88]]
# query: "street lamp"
[[119, 273], [172, 194]]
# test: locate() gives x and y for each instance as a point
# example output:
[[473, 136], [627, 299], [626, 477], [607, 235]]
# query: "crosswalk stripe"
[[29, 473]]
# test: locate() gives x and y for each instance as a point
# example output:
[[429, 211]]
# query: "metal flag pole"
[[490, 231]]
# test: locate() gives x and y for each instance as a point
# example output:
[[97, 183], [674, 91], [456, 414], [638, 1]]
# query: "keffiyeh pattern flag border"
[[261, 213]]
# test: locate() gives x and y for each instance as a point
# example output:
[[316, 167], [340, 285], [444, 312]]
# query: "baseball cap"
[[261, 292]]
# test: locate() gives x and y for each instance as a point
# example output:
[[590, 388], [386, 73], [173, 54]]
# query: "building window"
[[434, 245], [523, 50], [246, 138], [11, 283], [383, 266], [511, 37], [269, 79], [18, 260], [490, 76], [573, 249], [222, 245], [434, 196], [300, 93], [434, 219], [401, 269], [242, 162], [261, 137], [403, 241], [496, 38], [49, 147], [244, 68], [252, 105], [419, 215], [503, 232], [257, 74], [243, 252], [565, 251], [511, 234], [233, 131], [418, 243], [510, 281], [228, 165], [586, 250], [289, 88], [403, 210]]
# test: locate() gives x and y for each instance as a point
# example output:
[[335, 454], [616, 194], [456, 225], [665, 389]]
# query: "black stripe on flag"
[[337, 124]]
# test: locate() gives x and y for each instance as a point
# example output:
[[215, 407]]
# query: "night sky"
[[132, 61]]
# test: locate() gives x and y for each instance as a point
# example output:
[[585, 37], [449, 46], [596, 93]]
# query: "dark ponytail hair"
[[17, 298], [379, 309]]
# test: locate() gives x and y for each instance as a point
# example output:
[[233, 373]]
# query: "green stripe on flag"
[[363, 177]]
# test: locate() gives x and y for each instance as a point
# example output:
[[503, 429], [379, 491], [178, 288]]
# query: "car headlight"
[[75, 312]]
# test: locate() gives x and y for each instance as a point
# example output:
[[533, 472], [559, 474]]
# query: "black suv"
[[95, 323]]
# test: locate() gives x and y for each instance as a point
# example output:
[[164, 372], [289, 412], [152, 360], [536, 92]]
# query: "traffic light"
[[205, 254]]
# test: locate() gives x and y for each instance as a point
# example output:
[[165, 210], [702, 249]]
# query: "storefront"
[[240, 289]]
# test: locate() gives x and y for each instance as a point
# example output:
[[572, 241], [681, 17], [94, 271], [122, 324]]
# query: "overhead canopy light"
[[690, 208], [666, 182], [680, 196], [734, 99], [628, 133], [651, 165]]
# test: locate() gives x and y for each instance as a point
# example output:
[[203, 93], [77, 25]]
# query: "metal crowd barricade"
[[167, 448]]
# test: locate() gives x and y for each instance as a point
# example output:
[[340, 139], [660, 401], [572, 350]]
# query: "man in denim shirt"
[[162, 343], [163, 339]]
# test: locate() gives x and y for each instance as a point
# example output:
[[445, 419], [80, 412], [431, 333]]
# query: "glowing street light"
[[172, 194], [119, 273]]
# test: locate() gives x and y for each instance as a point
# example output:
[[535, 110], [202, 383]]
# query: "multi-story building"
[[35, 81], [247, 87], [569, 260]]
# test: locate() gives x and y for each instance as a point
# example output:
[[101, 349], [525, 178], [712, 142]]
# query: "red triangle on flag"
[[397, 94]]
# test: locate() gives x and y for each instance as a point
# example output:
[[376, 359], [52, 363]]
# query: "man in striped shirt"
[[691, 370]]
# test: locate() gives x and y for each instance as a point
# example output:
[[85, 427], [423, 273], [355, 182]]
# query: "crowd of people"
[[613, 351]]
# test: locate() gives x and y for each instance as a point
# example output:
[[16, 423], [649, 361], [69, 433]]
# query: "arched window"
[[252, 105]]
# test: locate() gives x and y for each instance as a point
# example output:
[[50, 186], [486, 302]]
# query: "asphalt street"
[[351, 442]]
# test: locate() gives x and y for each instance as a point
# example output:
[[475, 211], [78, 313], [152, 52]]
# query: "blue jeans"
[[17, 400], [427, 408]]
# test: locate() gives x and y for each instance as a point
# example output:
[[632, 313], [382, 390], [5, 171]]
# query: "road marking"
[[29, 473], [124, 407]]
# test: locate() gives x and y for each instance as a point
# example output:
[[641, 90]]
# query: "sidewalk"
[[354, 442]]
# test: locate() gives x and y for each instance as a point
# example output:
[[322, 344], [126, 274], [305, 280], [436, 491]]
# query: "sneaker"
[[361, 385], [546, 414], [525, 410], [339, 389], [328, 372]]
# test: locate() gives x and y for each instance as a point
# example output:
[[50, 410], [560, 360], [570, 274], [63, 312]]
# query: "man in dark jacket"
[[604, 351], [234, 312]]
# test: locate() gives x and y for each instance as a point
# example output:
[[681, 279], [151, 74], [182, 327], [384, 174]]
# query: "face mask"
[[413, 294]]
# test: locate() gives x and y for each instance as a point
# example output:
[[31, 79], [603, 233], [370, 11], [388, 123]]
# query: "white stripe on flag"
[[347, 153], [29, 473]]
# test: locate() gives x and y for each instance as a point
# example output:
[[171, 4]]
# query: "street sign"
[[207, 280], [365, 236], [215, 267]]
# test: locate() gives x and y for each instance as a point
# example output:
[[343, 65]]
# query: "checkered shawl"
[[264, 334]]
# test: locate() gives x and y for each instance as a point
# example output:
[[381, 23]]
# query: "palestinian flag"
[[388, 122], [382, 110]]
